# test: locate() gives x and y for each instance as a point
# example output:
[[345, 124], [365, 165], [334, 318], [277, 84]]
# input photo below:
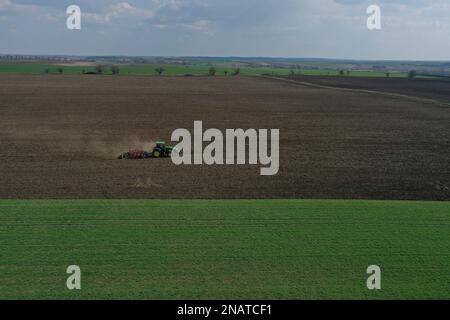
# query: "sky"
[[411, 29]]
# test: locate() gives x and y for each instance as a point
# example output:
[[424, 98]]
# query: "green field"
[[265, 249], [180, 70]]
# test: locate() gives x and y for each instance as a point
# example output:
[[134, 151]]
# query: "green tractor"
[[160, 151]]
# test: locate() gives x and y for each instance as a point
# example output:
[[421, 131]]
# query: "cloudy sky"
[[411, 29]]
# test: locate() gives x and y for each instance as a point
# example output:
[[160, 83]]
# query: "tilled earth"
[[60, 135], [422, 88]]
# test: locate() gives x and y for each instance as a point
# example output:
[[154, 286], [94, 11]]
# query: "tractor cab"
[[161, 144]]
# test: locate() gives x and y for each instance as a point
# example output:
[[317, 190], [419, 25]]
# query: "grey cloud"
[[321, 28]]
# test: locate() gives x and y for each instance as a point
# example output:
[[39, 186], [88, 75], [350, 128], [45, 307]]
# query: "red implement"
[[136, 154]]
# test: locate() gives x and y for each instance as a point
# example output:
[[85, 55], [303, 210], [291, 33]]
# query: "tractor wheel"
[[156, 154]]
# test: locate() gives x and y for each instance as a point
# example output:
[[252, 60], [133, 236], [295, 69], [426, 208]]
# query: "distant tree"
[[225, 72], [100, 68], [46, 71], [341, 72], [292, 73], [237, 71], [412, 74], [212, 71], [83, 71], [60, 70], [388, 74], [115, 70], [348, 72], [159, 70]]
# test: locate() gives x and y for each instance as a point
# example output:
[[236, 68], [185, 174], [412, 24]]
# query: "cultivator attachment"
[[160, 151], [135, 155]]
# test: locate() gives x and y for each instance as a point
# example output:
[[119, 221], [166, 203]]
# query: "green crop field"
[[200, 69], [263, 249]]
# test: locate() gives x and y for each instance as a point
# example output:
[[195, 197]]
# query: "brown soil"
[[422, 88], [59, 137]]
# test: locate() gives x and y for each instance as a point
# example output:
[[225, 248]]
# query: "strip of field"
[[178, 70], [340, 88], [268, 249], [423, 88]]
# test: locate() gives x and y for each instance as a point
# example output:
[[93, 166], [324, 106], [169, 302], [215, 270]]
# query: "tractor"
[[160, 151]]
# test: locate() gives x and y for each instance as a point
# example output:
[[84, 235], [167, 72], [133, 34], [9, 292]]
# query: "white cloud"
[[117, 11], [9, 6], [179, 4], [199, 25]]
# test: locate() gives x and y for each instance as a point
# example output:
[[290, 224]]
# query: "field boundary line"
[[390, 94]]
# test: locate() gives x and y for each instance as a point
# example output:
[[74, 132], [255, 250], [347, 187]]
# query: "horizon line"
[[218, 57]]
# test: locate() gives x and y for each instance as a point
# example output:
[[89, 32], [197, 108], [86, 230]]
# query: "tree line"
[[102, 69]]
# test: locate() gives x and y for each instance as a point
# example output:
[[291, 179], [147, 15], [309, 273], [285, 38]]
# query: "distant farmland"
[[200, 69]]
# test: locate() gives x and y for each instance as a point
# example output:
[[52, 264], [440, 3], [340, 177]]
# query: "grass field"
[[177, 70], [272, 249]]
